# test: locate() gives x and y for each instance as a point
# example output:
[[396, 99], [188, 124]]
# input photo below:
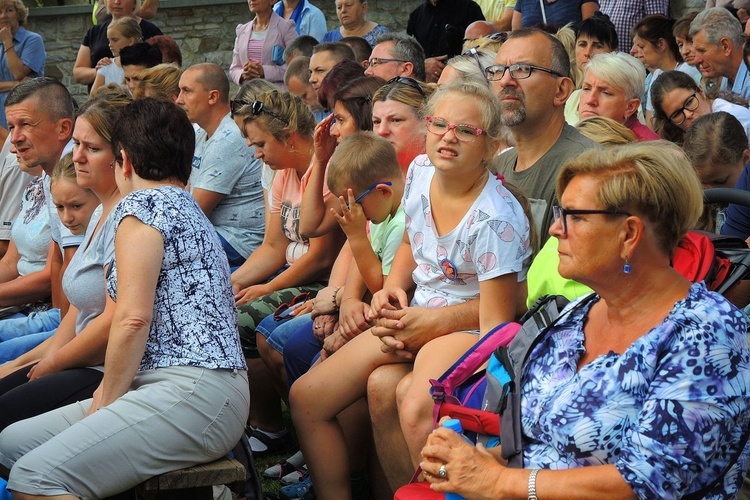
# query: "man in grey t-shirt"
[[531, 78], [225, 180]]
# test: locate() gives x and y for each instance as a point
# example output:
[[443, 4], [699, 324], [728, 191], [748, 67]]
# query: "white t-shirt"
[[491, 240]]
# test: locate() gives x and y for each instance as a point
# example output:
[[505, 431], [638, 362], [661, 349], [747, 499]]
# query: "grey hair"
[[468, 69], [559, 57], [621, 70], [717, 22], [406, 48]]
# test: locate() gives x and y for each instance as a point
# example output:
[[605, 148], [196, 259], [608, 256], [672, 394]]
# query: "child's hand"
[[352, 219], [352, 318], [384, 299], [324, 143]]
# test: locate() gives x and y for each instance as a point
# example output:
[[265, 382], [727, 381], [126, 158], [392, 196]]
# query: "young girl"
[[465, 234], [121, 33], [75, 206]]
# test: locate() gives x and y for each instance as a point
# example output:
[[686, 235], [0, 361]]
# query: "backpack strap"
[[519, 351], [469, 363]]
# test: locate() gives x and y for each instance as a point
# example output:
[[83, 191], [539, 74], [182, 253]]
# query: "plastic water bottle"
[[455, 425]]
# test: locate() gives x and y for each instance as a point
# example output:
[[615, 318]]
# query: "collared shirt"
[[741, 83], [624, 14], [311, 22], [29, 48]]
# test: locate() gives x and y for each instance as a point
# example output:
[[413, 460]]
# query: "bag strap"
[[470, 362], [701, 493], [510, 418]]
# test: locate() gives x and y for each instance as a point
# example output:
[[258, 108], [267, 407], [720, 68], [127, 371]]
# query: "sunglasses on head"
[[237, 106]]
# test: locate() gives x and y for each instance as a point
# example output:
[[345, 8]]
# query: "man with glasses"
[[395, 55], [531, 78], [225, 180]]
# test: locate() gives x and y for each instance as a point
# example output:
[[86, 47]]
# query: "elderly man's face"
[[601, 98], [529, 99], [712, 59]]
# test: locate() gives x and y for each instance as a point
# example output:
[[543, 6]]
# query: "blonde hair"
[[405, 94], [488, 103], [127, 27], [361, 160], [161, 81], [296, 115], [567, 37], [653, 180], [606, 131], [23, 11], [65, 170]]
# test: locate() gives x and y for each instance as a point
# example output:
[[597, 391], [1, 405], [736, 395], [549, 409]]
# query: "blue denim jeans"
[[20, 334]]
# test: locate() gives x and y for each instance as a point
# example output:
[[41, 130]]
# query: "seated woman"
[[451, 253], [173, 338], [351, 14], [67, 368], [679, 101], [641, 391], [280, 127]]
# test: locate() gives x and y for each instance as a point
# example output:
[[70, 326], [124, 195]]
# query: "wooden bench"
[[192, 483]]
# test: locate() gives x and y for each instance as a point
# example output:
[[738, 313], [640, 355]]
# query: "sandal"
[[273, 445], [303, 489], [280, 470]]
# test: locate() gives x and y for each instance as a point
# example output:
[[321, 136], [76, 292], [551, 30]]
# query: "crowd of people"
[[179, 263]]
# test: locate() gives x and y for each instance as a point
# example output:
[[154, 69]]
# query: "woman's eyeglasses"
[[464, 133], [236, 106], [690, 104], [410, 82], [561, 214]]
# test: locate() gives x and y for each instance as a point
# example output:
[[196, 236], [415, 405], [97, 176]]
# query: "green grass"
[[273, 486]]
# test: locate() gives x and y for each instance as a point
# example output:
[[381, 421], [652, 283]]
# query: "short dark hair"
[[356, 97], [170, 51], [302, 45], [406, 48], [58, 103], [140, 54], [598, 27], [559, 58], [339, 51], [654, 27], [158, 139], [361, 47], [212, 77], [343, 72]]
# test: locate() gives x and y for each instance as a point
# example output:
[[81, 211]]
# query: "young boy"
[[365, 174]]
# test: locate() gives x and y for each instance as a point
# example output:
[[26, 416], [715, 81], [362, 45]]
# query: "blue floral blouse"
[[194, 320], [669, 412]]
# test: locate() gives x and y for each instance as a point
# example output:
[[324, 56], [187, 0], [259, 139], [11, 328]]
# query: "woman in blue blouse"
[[642, 391], [175, 390], [23, 54]]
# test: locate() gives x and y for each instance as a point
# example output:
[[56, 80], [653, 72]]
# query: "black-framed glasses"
[[410, 82], [256, 108], [475, 53], [464, 133], [690, 104], [370, 190], [561, 214], [517, 71], [377, 61]]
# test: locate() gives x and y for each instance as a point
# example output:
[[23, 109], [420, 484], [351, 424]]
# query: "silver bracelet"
[[532, 484]]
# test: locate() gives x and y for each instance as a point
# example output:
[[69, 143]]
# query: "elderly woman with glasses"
[[679, 101], [639, 390]]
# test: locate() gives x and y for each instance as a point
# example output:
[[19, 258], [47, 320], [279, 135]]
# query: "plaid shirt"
[[625, 14]]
